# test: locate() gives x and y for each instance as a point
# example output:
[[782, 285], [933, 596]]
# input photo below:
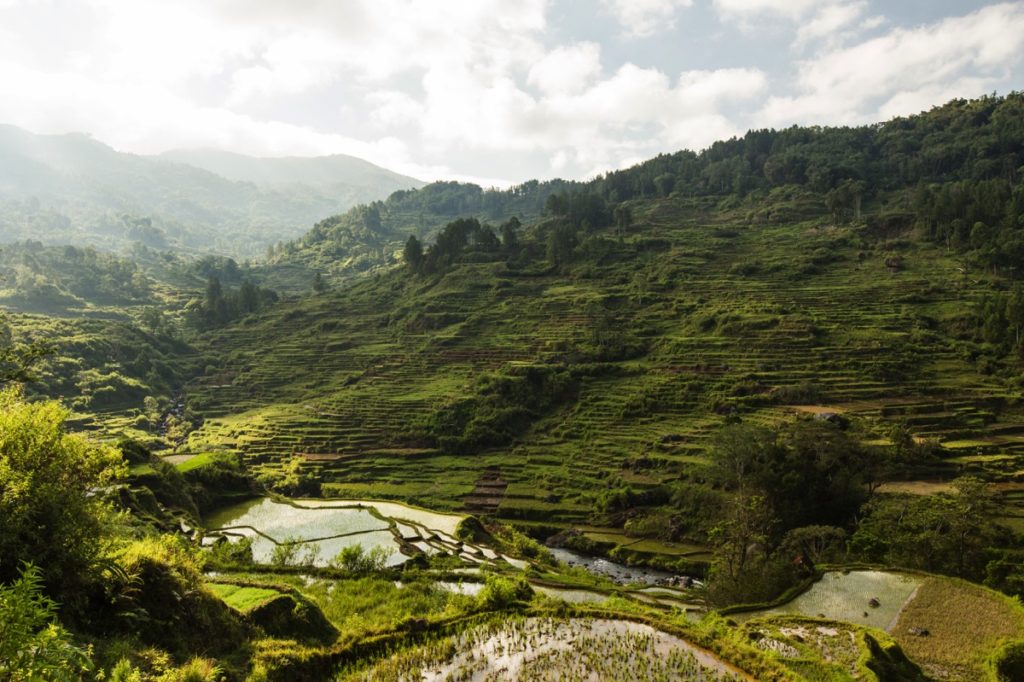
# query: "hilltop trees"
[[845, 200], [581, 209], [510, 234], [219, 307], [460, 239]]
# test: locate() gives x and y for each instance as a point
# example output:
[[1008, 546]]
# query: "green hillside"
[[785, 371], [588, 366]]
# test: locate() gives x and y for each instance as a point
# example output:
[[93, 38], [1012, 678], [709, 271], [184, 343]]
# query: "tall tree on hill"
[[1015, 312], [561, 242], [412, 254], [844, 201], [623, 215], [216, 307], [319, 285], [248, 298], [510, 234]]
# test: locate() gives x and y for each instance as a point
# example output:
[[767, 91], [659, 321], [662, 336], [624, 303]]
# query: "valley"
[[711, 417]]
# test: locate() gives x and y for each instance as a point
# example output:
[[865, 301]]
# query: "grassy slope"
[[730, 311], [965, 624]]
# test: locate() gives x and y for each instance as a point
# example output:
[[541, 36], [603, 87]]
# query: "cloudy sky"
[[489, 90]]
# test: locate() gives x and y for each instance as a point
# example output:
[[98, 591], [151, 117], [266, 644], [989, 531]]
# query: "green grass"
[[965, 622], [196, 462], [242, 598]]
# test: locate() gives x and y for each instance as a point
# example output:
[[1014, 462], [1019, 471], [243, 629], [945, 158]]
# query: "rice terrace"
[[403, 341]]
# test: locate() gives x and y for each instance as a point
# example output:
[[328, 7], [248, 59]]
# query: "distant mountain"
[[61, 189], [320, 171]]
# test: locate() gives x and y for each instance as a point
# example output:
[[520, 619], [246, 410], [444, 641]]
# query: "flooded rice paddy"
[[322, 528], [554, 649], [872, 598]]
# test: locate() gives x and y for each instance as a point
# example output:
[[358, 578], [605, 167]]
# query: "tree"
[[844, 201], [817, 543], [215, 306], [744, 568], [355, 559], [623, 218], [510, 234], [811, 472], [249, 297], [1015, 312], [484, 239], [371, 217], [947, 533], [561, 241], [413, 253], [664, 184], [50, 511], [319, 285]]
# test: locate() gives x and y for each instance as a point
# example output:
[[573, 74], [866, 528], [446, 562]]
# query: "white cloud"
[[645, 17], [393, 109], [425, 87], [745, 10], [905, 69], [566, 69], [830, 20], [817, 21]]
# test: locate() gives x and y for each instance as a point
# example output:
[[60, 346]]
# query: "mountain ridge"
[[72, 188]]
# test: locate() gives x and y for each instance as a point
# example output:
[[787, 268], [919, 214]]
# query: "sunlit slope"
[[695, 316]]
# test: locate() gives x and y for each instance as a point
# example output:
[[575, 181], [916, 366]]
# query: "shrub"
[[32, 645], [49, 512], [355, 559], [500, 592]]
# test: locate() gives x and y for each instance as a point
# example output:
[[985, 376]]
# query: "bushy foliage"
[[50, 512], [502, 592], [948, 533], [502, 406], [219, 307], [33, 645], [155, 593], [356, 559]]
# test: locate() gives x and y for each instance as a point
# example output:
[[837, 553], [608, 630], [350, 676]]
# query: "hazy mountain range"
[[70, 188]]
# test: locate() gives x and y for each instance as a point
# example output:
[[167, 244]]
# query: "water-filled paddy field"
[[554, 649], [325, 527], [848, 597]]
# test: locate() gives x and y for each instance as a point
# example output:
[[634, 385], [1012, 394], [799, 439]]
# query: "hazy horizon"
[[482, 91]]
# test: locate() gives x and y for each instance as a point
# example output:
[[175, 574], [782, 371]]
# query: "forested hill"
[[592, 353], [71, 189], [961, 160]]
